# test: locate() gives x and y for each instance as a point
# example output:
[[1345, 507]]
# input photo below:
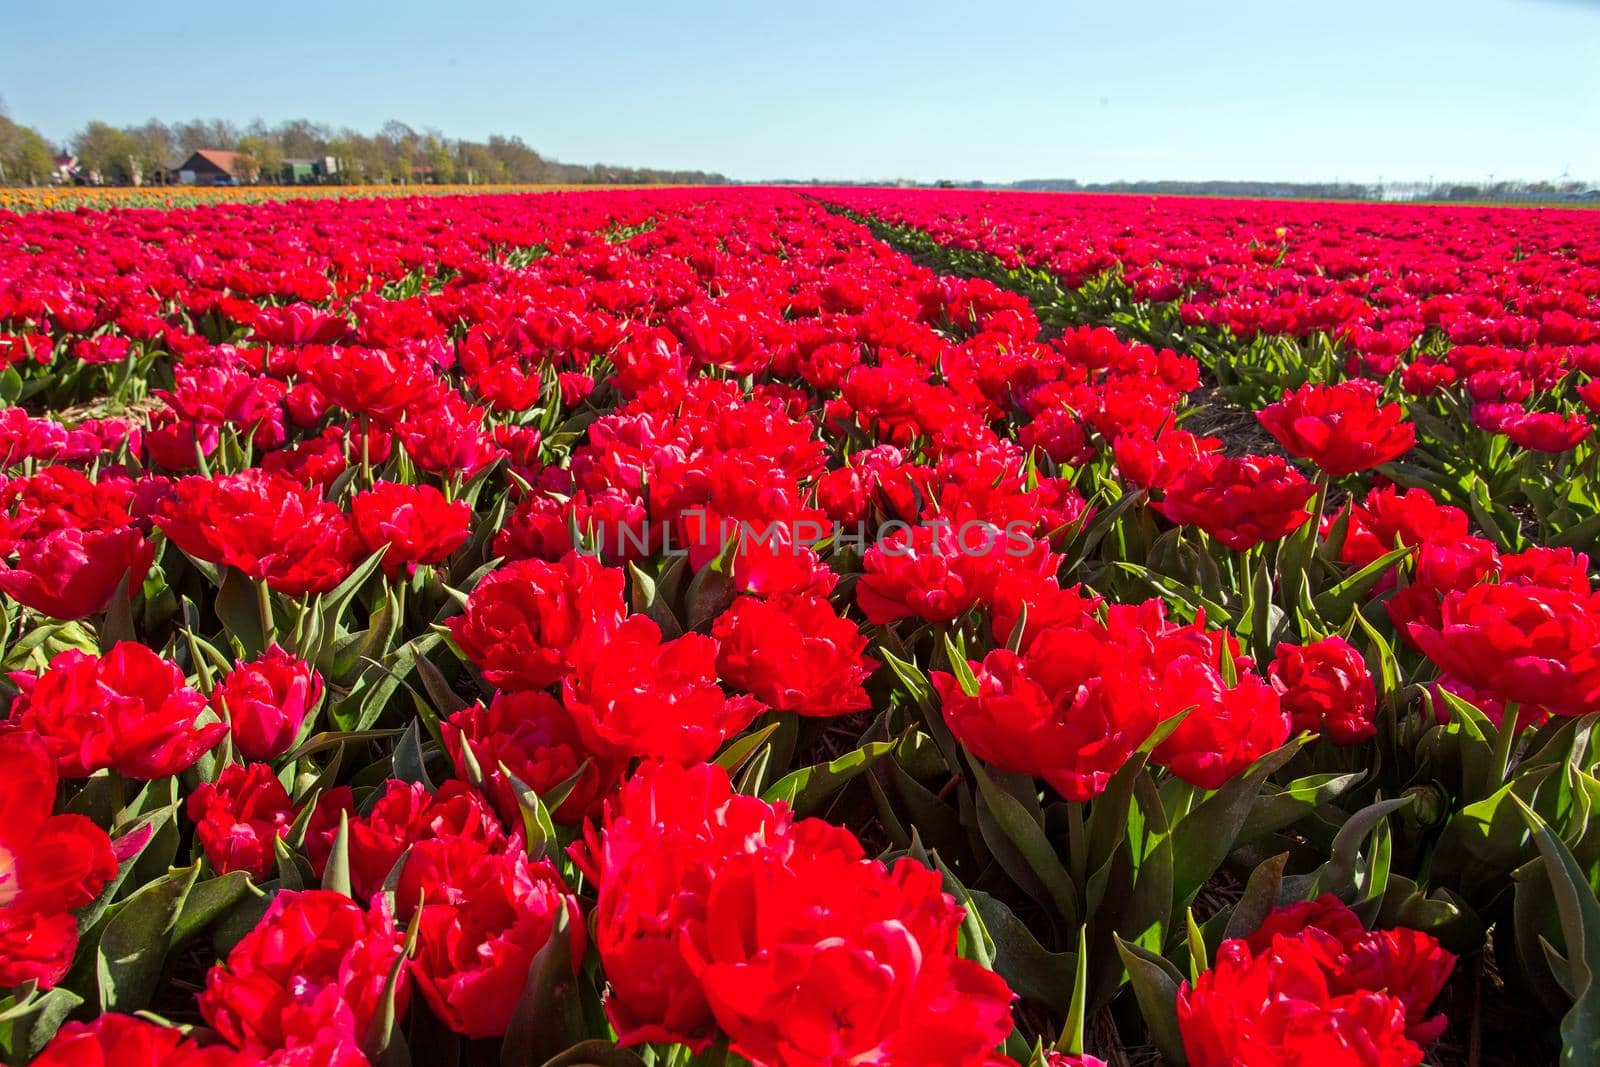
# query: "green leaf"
[[408, 761], [595, 1053], [1031, 970], [133, 948], [1277, 808], [1339, 600], [233, 924], [548, 1020], [1089, 537], [1338, 874], [1155, 987], [446, 701], [239, 611], [960, 667], [805, 789], [1579, 535], [1202, 839], [711, 590], [741, 748], [1027, 837], [372, 692], [380, 1045], [336, 875], [1485, 841], [335, 602], [19, 1002], [752, 778], [118, 622], [1199, 961], [1186, 600], [1263, 615], [912, 677], [1018, 629], [294, 873], [333, 739], [1071, 1041], [1260, 897], [650, 598], [1580, 923], [1106, 829], [537, 825], [32, 1031], [207, 901], [1150, 905], [1383, 651], [150, 823]]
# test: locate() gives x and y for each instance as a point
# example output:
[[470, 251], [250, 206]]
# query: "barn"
[[209, 166]]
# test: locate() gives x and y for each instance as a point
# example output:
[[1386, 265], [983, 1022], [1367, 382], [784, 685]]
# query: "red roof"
[[223, 161]]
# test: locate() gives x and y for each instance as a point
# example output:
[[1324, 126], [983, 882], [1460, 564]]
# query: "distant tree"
[[206, 133], [521, 163], [25, 158], [112, 152], [436, 152], [156, 148], [343, 152], [303, 139], [396, 152], [261, 156], [399, 146], [477, 164]]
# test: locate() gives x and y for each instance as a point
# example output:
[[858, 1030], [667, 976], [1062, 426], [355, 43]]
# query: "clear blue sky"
[[998, 90]]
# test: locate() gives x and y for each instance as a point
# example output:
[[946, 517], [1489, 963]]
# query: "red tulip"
[[1341, 428], [1516, 642], [414, 523], [311, 975], [793, 654], [1071, 711], [403, 814], [1242, 502], [664, 838], [633, 694], [266, 526], [266, 701], [129, 710], [52, 865], [485, 913], [1227, 729], [1313, 985], [240, 817], [1388, 517], [72, 573], [114, 1040], [523, 620], [537, 740], [918, 573], [830, 959], [1326, 688]]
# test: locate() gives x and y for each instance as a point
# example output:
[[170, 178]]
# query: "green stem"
[[1504, 741], [269, 626], [119, 795], [1077, 845]]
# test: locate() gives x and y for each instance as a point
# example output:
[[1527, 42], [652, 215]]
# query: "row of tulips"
[[676, 627], [1490, 338]]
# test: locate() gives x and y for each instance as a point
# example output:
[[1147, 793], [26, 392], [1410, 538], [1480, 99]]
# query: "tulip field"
[[799, 628]]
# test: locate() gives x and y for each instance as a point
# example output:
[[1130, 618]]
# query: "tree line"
[[396, 153]]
